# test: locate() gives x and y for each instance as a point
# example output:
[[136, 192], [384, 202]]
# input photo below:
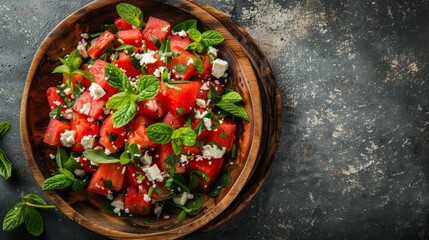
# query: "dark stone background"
[[353, 159]]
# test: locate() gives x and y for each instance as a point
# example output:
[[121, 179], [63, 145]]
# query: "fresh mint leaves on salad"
[[131, 14], [25, 212]]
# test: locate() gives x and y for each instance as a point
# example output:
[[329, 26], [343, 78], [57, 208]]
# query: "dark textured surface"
[[353, 159]]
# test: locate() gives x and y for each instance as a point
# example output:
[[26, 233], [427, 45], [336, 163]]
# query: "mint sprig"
[[203, 40], [124, 102], [25, 212], [162, 133], [64, 177], [229, 103], [132, 14], [70, 68]]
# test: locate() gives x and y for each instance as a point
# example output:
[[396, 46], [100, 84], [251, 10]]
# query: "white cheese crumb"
[[182, 197], [107, 151], [87, 142], [67, 138], [146, 58], [81, 47], [79, 172], [146, 159], [52, 156], [153, 173], [219, 67], [158, 72], [190, 61], [146, 198], [96, 91], [213, 51], [210, 152], [201, 103], [182, 33], [67, 91]]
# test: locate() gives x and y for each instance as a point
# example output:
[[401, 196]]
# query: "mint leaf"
[[14, 217], [172, 160], [195, 35], [4, 128], [222, 182], [34, 199], [117, 78], [79, 185], [232, 97], [198, 66], [125, 48], [211, 38], [148, 86], [182, 216], [61, 69], [177, 145], [56, 113], [66, 173], [131, 14], [5, 165], [33, 222], [235, 110], [196, 203], [181, 68], [185, 26], [124, 115], [86, 74], [58, 181], [186, 135], [160, 132], [119, 100], [98, 156]]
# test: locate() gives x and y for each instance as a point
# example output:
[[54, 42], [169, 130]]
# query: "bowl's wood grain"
[[85, 208]]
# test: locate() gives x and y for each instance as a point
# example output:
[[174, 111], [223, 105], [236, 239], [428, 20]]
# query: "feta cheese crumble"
[[86, 108], [146, 58], [182, 197], [67, 138], [210, 152], [153, 173], [146, 159], [87, 142], [219, 67], [96, 91]]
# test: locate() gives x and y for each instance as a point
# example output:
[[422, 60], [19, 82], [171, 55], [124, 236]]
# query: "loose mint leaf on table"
[[4, 128], [5, 165], [25, 212]]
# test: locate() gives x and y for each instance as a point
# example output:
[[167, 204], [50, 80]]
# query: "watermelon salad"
[[143, 116]]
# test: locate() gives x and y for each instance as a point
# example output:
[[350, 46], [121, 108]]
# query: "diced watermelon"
[[53, 132], [135, 176], [138, 132], [110, 137], [85, 165], [83, 128], [178, 42], [107, 174], [163, 151], [54, 99], [151, 67], [135, 201], [100, 44], [97, 71], [210, 167], [224, 136], [207, 74], [124, 62], [121, 23], [174, 120], [152, 108], [179, 65], [157, 28], [89, 107], [130, 37], [160, 192], [184, 99]]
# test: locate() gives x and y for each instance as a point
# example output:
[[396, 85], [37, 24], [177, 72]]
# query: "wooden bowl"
[[85, 208]]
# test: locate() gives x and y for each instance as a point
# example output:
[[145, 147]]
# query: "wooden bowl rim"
[[77, 217]]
